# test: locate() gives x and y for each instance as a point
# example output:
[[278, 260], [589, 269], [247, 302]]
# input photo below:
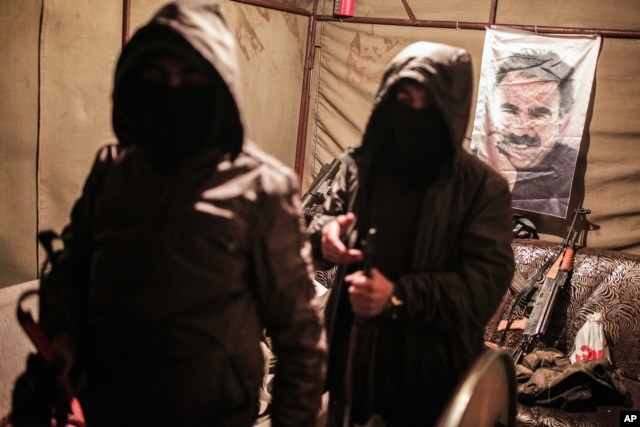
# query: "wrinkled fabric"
[[462, 260], [168, 280], [537, 188], [548, 378]]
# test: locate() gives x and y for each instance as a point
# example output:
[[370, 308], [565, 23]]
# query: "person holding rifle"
[[442, 258]]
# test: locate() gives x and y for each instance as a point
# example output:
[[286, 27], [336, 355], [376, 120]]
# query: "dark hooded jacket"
[[462, 261], [167, 280]]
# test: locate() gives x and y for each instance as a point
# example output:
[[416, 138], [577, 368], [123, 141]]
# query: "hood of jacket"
[[193, 28], [446, 74]]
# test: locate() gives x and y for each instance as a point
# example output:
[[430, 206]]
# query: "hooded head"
[[427, 137], [176, 86]]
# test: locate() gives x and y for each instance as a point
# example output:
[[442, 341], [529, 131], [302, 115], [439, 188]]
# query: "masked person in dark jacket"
[[185, 245], [442, 258]]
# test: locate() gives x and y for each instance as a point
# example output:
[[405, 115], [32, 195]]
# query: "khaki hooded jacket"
[[462, 260], [167, 282]]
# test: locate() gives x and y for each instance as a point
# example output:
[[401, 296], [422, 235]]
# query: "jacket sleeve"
[[468, 263], [287, 302], [63, 289]]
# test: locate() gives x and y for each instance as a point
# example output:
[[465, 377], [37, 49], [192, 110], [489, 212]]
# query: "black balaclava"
[[171, 123], [421, 143]]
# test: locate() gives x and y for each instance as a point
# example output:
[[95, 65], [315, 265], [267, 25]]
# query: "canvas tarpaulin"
[[348, 66], [57, 74], [607, 172]]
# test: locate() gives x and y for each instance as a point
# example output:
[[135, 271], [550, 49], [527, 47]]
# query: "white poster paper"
[[533, 98]]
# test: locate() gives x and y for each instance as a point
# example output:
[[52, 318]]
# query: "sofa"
[[603, 281]]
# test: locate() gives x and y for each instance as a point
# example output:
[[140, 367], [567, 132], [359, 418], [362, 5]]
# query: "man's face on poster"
[[526, 118]]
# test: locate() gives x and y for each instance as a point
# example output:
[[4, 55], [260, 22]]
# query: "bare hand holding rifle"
[[369, 289], [536, 322]]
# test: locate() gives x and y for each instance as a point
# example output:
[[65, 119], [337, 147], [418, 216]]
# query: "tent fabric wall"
[[19, 22], [349, 62], [433, 10], [56, 116], [77, 58], [272, 56], [612, 177], [570, 14], [57, 84], [271, 52]]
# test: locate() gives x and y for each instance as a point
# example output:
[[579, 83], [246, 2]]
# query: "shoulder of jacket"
[[273, 174], [475, 174], [473, 163]]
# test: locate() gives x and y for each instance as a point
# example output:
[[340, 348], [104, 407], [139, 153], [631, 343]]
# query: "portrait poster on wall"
[[533, 97]]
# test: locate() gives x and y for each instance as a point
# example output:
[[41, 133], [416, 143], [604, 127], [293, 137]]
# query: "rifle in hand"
[[368, 250], [320, 189], [537, 321]]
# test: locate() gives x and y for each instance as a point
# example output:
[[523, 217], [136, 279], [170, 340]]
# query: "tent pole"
[[303, 119], [126, 20]]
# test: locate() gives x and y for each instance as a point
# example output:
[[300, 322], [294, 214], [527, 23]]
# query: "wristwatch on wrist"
[[394, 301], [393, 305]]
